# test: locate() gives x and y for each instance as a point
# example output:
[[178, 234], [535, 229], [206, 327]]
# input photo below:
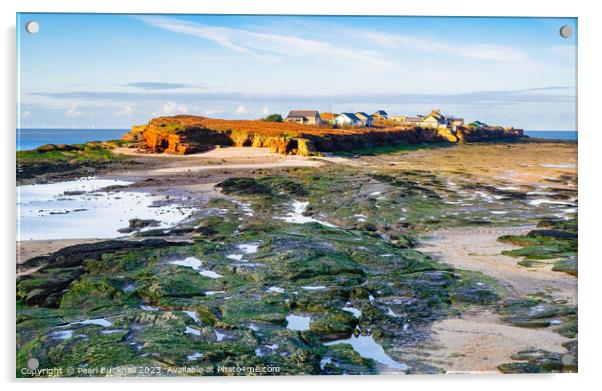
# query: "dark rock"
[[551, 233], [138, 224]]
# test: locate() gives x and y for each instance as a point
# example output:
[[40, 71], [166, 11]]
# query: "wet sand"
[[28, 249], [228, 158], [477, 249], [478, 340]]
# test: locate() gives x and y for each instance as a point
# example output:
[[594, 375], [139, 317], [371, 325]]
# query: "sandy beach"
[[479, 339], [478, 249]]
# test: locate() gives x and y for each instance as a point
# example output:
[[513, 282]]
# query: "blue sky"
[[108, 71]]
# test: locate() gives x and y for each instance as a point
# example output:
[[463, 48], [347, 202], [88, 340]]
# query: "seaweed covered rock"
[[542, 361], [55, 272], [553, 239]]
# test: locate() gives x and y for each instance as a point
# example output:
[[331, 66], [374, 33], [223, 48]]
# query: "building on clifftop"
[[348, 119], [380, 114], [364, 118], [306, 117]]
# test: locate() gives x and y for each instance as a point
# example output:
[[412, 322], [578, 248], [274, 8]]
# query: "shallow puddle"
[[77, 210], [297, 217], [314, 287], [99, 322], [190, 330], [367, 347], [248, 248], [357, 313], [194, 356], [298, 322], [196, 265], [192, 315], [63, 334]]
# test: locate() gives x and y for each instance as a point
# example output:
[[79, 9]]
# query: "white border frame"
[[590, 141]]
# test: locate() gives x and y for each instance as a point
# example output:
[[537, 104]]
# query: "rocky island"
[[185, 134]]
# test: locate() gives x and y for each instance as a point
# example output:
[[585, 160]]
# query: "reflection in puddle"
[[219, 336], [190, 330], [367, 347], [63, 334], [314, 287], [194, 356], [77, 210], [297, 322], [99, 322], [248, 248], [192, 315], [297, 217], [357, 313], [195, 264]]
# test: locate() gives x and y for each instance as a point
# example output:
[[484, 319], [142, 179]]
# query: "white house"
[[348, 119]]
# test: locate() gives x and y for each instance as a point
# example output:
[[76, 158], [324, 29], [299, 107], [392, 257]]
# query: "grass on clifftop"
[[93, 151], [64, 162]]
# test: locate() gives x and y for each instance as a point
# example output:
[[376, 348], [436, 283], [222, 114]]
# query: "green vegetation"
[[92, 151], [273, 118], [541, 361], [140, 296], [63, 161], [553, 239]]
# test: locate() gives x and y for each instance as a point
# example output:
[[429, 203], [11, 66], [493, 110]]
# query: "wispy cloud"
[[127, 111], [563, 50], [241, 109], [483, 51], [153, 85], [73, 110], [267, 46], [536, 94], [172, 108]]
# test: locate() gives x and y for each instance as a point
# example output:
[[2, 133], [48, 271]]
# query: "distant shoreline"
[[565, 135]]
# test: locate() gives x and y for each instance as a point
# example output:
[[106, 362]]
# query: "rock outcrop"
[[185, 134]]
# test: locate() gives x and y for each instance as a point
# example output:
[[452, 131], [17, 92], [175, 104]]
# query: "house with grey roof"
[[306, 117], [414, 120]]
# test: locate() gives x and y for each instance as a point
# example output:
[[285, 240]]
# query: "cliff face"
[[472, 134], [185, 134]]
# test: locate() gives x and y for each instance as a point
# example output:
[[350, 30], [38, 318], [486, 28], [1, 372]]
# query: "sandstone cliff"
[[185, 134]]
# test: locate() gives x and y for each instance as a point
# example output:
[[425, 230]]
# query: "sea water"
[[32, 138]]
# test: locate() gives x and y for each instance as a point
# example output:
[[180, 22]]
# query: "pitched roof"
[[380, 112], [436, 114], [303, 113], [352, 117], [362, 115]]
